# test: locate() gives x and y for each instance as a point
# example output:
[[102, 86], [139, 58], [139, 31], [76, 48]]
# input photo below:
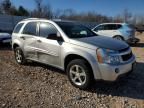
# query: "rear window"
[[17, 28]]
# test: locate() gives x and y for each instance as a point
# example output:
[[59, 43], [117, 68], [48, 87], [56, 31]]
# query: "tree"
[[118, 19], [6, 5], [13, 11], [46, 12], [22, 11], [91, 16], [38, 7], [42, 11], [126, 15]]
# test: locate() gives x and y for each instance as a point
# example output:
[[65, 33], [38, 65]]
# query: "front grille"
[[126, 57], [123, 50]]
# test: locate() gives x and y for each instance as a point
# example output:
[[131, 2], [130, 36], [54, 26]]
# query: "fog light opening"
[[117, 70]]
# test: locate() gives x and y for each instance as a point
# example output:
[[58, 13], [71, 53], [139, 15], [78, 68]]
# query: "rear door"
[[48, 49], [29, 38], [109, 30]]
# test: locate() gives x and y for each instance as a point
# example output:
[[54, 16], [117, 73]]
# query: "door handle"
[[22, 37], [39, 41]]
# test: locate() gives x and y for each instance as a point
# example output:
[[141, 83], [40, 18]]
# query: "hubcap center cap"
[[77, 74]]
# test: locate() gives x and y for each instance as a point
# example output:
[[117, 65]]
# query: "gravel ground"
[[39, 86]]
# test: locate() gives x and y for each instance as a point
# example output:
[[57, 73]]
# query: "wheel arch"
[[119, 36], [15, 45], [71, 57]]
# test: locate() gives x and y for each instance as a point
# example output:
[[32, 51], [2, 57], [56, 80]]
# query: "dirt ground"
[[40, 86]]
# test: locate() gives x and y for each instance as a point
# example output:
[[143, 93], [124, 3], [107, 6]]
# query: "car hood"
[[5, 35], [104, 42]]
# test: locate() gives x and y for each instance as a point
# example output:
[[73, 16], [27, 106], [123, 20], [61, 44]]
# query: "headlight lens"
[[107, 56]]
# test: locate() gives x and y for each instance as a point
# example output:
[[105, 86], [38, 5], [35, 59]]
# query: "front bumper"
[[113, 72], [133, 40]]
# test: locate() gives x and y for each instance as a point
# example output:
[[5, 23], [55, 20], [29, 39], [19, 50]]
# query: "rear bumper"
[[133, 40]]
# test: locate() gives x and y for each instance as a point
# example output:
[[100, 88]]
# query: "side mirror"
[[55, 36]]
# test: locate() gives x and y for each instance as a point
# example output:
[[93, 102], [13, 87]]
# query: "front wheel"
[[79, 73], [19, 56]]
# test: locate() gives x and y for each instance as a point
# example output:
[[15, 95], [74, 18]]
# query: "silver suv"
[[73, 48]]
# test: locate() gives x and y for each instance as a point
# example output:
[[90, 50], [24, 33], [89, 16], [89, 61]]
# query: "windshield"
[[73, 30]]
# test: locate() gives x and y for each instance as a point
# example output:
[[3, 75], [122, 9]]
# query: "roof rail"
[[30, 19], [33, 19], [63, 20], [56, 19]]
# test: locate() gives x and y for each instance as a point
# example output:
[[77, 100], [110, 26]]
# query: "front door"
[[100, 30], [48, 49]]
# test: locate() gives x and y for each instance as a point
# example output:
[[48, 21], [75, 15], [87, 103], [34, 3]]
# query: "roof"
[[112, 23]]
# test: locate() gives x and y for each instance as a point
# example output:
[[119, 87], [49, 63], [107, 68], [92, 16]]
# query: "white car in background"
[[5, 38], [120, 31]]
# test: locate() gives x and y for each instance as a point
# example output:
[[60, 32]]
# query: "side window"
[[112, 27], [30, 28], [47, 29], [107, 27], [17, 28], [101, 27]]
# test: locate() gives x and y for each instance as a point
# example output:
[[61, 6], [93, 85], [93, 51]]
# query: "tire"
[[118, 38], [19, 56], [79, 74]]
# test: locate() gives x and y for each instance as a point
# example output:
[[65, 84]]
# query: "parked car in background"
[[5, 37], [120, 31], [139, 28], [73, 48]]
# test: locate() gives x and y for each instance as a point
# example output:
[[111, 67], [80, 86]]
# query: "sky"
[[104, 7]]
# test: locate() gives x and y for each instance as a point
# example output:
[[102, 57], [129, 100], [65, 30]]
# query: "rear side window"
[[30, 29], [17, 28], [112, 27], [46, 29]]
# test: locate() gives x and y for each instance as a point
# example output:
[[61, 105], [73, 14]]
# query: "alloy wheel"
[[77, 75]]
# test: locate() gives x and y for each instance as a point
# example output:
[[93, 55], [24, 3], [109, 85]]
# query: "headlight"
[[107, 56]]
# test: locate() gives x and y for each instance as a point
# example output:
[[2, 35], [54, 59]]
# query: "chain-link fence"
[[8, 22]]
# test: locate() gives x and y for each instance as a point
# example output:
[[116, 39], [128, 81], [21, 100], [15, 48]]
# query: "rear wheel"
[[119, 38], [79, 73], [19, 56]]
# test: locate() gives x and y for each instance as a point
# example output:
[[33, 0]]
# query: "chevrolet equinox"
[[71, 47]]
